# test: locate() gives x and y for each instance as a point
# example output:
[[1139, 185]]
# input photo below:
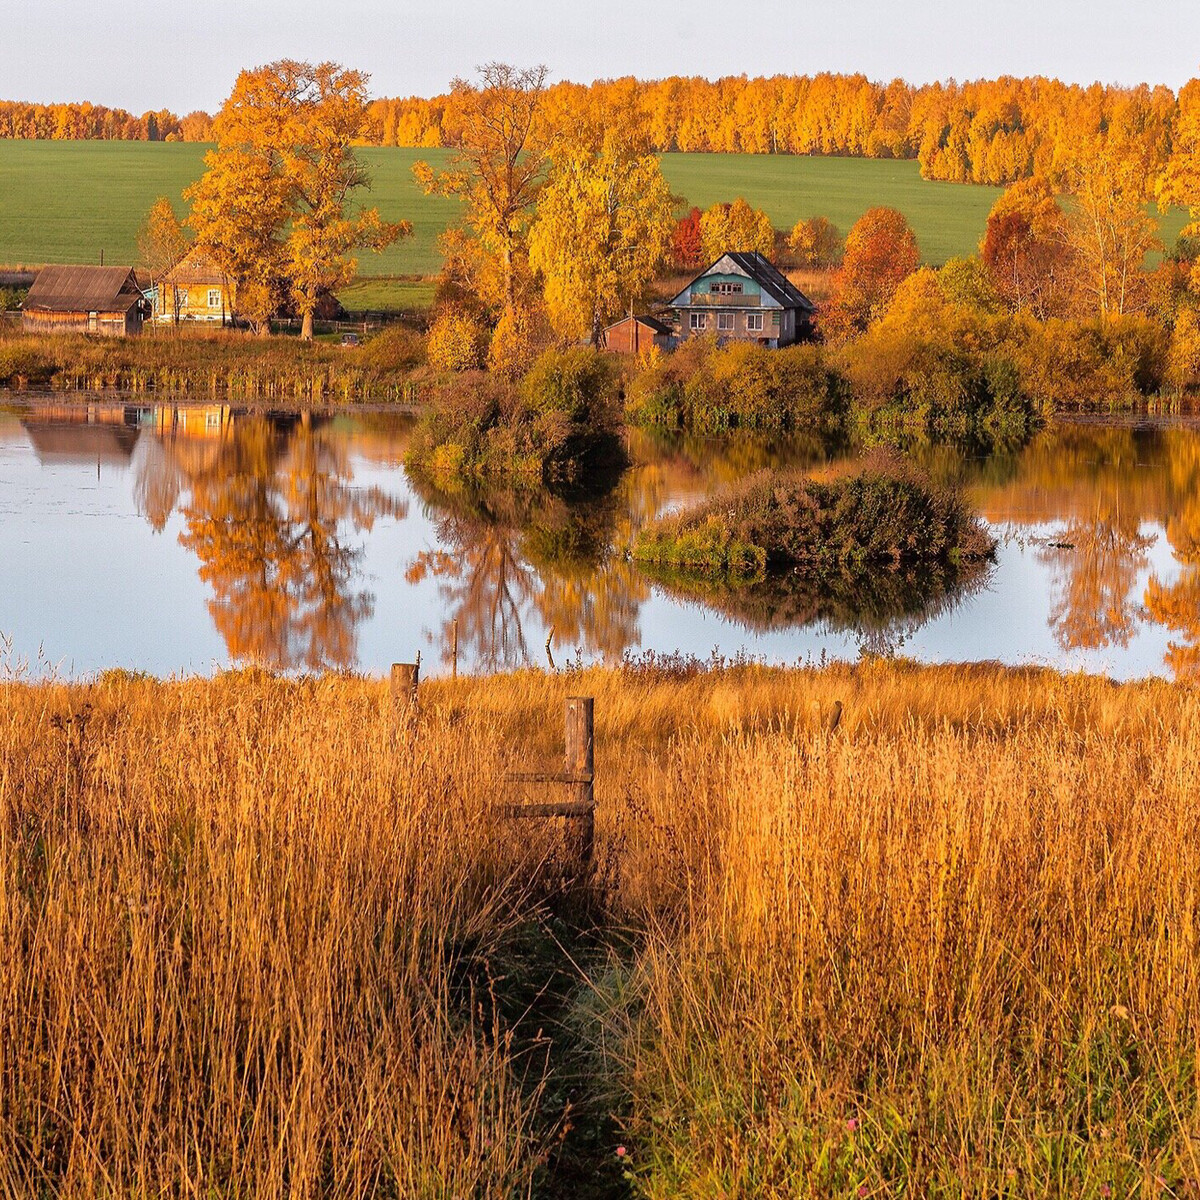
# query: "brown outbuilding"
[[632, 335], [72, 299]]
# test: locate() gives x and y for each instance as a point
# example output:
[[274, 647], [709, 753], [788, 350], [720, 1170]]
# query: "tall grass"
[[217, 363], [252, 938]]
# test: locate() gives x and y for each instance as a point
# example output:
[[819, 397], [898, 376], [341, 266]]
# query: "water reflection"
[[508, 555], [268, 508], [292, 530], [881, 609]]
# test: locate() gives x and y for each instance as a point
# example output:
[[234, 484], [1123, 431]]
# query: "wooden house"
[[744, 297], [195, 290], [84, 300], [632, 335]]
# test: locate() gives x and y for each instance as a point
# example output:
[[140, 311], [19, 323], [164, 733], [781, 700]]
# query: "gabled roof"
[[197, 266], [650, 322], [83, 289], [758, 267]]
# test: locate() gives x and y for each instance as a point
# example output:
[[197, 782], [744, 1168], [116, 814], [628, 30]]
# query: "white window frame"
[[698, 322], [211, 293], [754, 322], [725, 288], [181, 296], [725, 322]]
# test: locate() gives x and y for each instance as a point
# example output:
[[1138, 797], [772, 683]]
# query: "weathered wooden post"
[[454, 648], [405, 678], [579, 766]]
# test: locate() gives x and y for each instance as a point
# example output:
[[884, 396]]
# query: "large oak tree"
[[276, 205]]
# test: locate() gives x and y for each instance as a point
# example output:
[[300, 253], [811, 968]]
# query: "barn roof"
[[765, 273], [83, 289], [650, 322]]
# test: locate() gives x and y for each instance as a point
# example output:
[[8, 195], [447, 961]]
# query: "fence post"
[[580, 763], [405, 678], [454, 647]]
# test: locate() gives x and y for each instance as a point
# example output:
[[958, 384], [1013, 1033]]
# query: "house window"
[[181, 297], [698, 321], [775, 320], [724, 322], [754, 322], [726, 289], [214, 297]]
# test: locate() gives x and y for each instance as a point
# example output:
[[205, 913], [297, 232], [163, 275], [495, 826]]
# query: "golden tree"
[[501, 150], [161, 240], [815, 243], [736, 227], [1108, 229], [604, 224], [275, 204]]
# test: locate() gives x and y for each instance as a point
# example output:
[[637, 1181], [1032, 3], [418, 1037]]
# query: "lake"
[[186, 539]]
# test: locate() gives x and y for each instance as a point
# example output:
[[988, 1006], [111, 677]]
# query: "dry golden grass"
[[247, 931]]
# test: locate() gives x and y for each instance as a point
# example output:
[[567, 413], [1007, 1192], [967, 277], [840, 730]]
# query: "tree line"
[[94, 122], [992, 131]]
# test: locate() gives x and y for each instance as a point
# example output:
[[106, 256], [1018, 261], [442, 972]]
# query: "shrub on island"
[[551, 426], [883, 512]]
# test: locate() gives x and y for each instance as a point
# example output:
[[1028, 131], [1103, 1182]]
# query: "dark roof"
[[83, 289], [644, 319], [768, 276]]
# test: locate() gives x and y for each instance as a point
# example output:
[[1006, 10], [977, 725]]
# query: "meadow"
[[267, 937], [67, 201]]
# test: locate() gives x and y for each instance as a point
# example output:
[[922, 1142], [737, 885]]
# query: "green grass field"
[[67, 201]]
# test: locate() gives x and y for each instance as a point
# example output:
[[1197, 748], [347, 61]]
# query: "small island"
[[883, 511]]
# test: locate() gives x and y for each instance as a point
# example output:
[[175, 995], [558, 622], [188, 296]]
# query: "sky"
[[143, 54]]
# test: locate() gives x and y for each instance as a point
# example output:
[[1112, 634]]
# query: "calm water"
[[173, 539]]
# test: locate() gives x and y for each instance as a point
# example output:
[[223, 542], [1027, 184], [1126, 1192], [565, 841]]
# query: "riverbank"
[[956, 937], [199, 365]]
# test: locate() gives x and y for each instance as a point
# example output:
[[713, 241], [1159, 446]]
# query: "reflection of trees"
[[1094, 566], [508, 557], [883, 606], [266, 511]]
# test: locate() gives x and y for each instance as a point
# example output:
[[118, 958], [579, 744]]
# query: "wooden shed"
[[85, 300], [631, 335]]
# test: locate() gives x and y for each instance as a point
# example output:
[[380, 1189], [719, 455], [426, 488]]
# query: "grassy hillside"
[[262, 939], [67, 201]]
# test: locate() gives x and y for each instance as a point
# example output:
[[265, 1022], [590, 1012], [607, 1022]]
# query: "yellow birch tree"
[[604, 224]]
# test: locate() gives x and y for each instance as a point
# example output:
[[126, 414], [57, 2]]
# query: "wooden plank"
[[566, 809], [548, 777]]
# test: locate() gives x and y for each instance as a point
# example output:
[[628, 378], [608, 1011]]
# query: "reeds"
[[255, 936], [224, 363]]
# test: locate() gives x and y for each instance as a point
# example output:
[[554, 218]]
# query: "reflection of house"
[[632, 335], [193, 421], [84, 300], [97, 433], [744, 297], [195, 290]]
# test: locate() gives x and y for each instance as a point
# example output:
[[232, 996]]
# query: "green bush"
[[886, 511], [707, 388], [559, 420]]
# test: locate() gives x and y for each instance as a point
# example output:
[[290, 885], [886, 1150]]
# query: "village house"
[[195, 290], [744, 297], [632, 335], [80, 299]]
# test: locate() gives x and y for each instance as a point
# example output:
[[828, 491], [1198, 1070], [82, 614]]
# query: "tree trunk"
[[306, 328]]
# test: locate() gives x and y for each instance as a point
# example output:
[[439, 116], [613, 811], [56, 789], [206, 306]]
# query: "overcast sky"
[[142, 54]]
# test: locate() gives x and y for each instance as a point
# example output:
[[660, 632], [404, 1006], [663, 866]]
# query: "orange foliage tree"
[[277, 196], [881, 252]]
